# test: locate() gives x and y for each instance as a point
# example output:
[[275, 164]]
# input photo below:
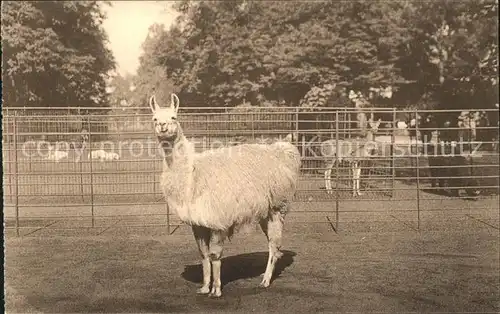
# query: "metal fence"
[[424, 168]]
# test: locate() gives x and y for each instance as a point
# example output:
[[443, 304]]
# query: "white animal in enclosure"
[[218, 191], [55, 154], [352, 151], [401, 125], [103, 155]]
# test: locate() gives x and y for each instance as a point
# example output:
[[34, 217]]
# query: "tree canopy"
[[272, 53], [54, 54]]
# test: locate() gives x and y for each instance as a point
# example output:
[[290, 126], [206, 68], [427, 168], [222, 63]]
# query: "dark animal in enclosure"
[[451, 169]]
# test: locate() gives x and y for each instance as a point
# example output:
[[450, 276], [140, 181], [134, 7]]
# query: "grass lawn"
[[453, 267]]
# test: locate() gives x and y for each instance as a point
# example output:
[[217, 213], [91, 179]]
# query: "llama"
[[55, 154], [351, 151], [80, 145], [220, 190], [103, 155]]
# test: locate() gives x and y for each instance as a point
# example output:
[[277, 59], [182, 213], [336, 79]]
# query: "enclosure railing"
[[423, 169]]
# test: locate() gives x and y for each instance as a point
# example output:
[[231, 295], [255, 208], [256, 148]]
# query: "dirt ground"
[[450, 265]]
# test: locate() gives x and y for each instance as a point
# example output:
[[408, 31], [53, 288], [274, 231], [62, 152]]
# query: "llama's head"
[[165, 119], [374, 126], [283, 142], [84, 135]]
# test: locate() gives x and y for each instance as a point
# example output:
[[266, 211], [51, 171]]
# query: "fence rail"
[[425, 167]]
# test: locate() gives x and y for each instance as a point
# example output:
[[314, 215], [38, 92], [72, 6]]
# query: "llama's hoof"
[[215, 293], [265, 283], [203, 290]]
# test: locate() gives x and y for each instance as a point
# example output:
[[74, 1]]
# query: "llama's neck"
[[179, 167], [369, 136], [177, 151]]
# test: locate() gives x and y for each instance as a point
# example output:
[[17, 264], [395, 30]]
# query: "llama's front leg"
[[356, 175], [353, 182], [216, 246], [273, 228], [358, 180], [202, 237], [328, 178]]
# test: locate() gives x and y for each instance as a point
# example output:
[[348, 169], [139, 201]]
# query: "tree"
[[258, 51], [261, 52], [151, 78], [54, 54], [452, 53]]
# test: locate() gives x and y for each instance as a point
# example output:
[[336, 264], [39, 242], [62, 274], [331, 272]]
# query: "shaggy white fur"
[[225, 187], [220, 190]]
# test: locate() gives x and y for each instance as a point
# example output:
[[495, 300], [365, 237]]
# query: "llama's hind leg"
[[202, 237], [216, 246], [356, 174], [272, 227]]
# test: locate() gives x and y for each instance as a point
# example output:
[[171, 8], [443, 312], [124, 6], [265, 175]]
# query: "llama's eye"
[[174, 118], [155, 120]]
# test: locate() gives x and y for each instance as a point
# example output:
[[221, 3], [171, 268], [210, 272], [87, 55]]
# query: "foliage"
[[266, 52], [327, 95], [453, 52], [151, 78], [54, 53]]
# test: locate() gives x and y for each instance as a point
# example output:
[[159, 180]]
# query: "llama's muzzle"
[[166, 130]]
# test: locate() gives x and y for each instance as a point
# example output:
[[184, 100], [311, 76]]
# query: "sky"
[[127, 26]]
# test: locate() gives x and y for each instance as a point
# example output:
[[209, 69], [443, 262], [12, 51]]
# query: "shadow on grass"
[[241, 266]]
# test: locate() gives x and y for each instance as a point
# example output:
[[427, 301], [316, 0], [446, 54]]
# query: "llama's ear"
[[174, 102], [153, 105], [288, 138]]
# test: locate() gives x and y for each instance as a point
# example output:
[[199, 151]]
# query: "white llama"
[[220, 190], [55, 154], [80, 145], [103, 155], [351, 151]]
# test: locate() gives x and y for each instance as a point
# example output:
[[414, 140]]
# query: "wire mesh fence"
[[435, 161]]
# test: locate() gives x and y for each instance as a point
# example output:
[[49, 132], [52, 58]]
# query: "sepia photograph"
[[333, 156]]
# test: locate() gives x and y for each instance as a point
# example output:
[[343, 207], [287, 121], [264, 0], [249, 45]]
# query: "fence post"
[[252, 115], [10, 140], [155, 173], [417, 153], [337, 150], [470, 159], [80, 160], [393, 143], [168, 217], [297, 126], [16, 177], [82, 190], [91, 174], [207, 131], [30, 137]]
